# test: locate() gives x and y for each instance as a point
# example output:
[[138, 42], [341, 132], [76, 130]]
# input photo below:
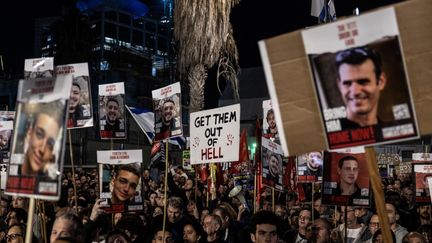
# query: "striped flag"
[[146, 121], [324, 12]]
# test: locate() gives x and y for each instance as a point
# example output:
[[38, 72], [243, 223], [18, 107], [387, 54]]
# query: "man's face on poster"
[[274, 165], [360, 88], [75, 96], [314, 161], [125, 184], [349, 171], [42, 138], [112, 111], [168, 111], [271, 121]]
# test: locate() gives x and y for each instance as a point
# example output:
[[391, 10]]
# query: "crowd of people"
[[192, 216]]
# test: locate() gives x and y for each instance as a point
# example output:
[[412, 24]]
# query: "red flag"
[[242, 165]]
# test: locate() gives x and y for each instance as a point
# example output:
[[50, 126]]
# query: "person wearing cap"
[[360, 80]]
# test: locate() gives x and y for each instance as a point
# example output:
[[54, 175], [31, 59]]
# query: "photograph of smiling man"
[[360, 80]]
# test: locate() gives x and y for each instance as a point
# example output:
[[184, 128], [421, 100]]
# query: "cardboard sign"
[[290, 84], [112, 123], [270, 128], [38, 141], [360, 80], [215, 135], [80, 105], [167, 109], [120, 180]]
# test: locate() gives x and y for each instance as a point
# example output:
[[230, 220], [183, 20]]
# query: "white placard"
[[119, 156], [215, 135]]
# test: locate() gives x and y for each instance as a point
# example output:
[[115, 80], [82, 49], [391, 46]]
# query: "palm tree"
[[205, 37]]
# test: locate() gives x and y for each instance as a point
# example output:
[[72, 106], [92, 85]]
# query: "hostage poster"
[[345, 178], [80, 111], [273, 165], [120, 180], [361, 81], [112, 122], [422, 166], [167, 110], [39, 136]]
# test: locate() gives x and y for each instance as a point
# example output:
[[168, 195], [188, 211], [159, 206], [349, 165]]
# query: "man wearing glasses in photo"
[[360, 80]]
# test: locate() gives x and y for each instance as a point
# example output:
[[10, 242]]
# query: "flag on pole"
[[324, 12], [146, 121]]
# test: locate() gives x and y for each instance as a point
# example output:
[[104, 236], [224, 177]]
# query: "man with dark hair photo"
[[348, 170], [124, 184], [360, 81], [112, 123], [77, 111], [272, 130], [169, 121]]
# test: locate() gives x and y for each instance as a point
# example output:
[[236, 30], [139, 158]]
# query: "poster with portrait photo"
[[38, 142], [310, 167], [345, 178], [270, 129], [361, 81], [422, 167], [6, 128], [120, 180], [39, 68], [80, 112], [273, 166], [167, 110], [112, 122]]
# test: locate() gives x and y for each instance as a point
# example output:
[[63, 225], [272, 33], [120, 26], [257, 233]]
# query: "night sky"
[[252, 21]]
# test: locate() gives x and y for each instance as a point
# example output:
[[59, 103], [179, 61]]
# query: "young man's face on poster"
[[112, 110], [271, 120], [75, 97], [348, 173], [168, 111], [124, 186], [274, 165], [360, 88], [42, 138]]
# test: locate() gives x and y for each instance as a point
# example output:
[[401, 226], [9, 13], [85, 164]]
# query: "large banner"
[[112, 122], [215, 135], [361, 80], [167, 109], [120, 180], [39, 68], [310, 167], [80, 105], [345, 178], [273, 165], [6, 128], [39, 136], [422, 165]]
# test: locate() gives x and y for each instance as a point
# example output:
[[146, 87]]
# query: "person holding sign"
[[348, 170], [360, 81], [124, 184], [41, 138], [169, 121]]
